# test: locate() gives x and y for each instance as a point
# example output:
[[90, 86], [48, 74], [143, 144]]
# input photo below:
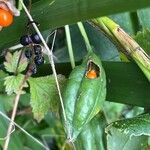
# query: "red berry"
[[6, 18]]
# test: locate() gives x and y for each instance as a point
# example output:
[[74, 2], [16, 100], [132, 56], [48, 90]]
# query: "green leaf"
[[7, 101], [2, 79], [12, 60], [13, 83], [143, 39], [118, 141], [143, 16], [55, 127], [114, 108], [44, 95], [70, 11], [136, 126], [93, 135]]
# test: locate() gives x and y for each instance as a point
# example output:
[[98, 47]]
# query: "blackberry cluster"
[[35, 52], [28, 39]]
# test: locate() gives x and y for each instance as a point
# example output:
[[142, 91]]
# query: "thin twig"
[[16, 101], [24, 131], [50, 55], [4, 138], [53, 42], [47, 38]]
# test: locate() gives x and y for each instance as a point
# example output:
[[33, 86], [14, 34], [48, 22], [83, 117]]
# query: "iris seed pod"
[[83, 96]]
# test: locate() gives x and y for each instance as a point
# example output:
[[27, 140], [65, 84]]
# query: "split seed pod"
[[84, 95]]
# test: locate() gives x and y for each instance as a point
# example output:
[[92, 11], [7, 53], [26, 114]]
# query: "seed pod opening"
[[93, 70]]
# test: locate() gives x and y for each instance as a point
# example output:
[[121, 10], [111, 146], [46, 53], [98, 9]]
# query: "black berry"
[[35, 38], [37, 49], [33, 69], [39, 60], [28, 53], [25, 40]]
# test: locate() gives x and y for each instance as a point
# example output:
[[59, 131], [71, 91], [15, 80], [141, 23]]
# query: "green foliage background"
[[128, 85]]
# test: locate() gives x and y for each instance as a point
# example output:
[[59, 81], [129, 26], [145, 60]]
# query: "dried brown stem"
[[16, 101]]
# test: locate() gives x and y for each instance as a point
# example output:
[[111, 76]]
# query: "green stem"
[[85, 37], [128, 45], [69, 45]]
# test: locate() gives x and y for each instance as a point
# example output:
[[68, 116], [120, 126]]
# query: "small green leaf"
[[136, 126], [11, 64], [44, 95], [13, 83], [143, 39], [2, 77]]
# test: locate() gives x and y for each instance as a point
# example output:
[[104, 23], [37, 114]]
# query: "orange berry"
[[6, 18], [91, 74]]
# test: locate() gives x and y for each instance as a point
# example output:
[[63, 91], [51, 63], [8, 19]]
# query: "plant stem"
[[16, 101], [129, 46], [12, 119], [69, 45], [85, 37]]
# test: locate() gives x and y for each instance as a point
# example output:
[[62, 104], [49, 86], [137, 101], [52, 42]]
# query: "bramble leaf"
[[2, 77], [44, 95], [5, 100], [11, 63], [12, 83]]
